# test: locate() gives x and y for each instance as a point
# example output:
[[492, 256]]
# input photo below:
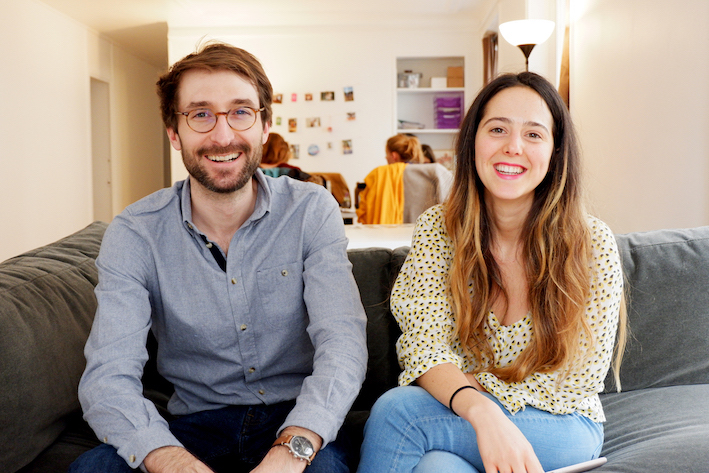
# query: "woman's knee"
[[405, 401], [437, 461]]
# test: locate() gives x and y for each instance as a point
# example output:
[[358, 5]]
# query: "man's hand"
[[281, 460], [174, 460]]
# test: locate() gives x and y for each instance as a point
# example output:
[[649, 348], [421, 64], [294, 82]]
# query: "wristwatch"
[[300, 447]]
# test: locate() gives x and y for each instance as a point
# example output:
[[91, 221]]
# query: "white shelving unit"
[[416, 105]]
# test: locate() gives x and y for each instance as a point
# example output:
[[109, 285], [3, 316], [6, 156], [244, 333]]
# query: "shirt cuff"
[[145, 441]]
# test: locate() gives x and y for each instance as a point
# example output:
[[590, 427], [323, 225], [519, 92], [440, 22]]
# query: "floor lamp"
[[525, 34]]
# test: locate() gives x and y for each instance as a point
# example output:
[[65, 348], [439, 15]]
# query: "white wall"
[[640, 99], [45, 174], [318, 58], [45, 124]]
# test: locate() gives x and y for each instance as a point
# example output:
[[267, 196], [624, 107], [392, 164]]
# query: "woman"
[[274, 160], [509, 303], [381, 199]]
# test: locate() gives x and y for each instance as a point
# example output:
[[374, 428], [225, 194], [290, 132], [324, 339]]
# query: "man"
[[245, 282]]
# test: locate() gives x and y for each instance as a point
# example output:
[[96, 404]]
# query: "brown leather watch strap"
[[285, 441]]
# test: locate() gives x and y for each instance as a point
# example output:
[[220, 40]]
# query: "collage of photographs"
[[321, 117]]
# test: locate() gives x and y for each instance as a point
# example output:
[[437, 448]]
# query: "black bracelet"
[[450, 403]]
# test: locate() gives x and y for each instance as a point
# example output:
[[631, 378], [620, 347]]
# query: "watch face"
[[302, 446]]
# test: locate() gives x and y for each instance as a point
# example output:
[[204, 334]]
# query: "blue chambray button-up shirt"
[[283, 322]]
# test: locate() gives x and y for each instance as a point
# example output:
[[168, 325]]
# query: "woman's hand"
[[502, 446]]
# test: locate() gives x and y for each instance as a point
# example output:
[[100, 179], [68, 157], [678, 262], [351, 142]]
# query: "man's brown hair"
[[214, 56]]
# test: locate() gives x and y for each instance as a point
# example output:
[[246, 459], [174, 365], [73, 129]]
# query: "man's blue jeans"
[[233, 439], [410, 431]]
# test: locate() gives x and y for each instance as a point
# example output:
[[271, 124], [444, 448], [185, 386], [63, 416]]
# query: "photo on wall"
[[327, 96], [349, 94], [346, 146], [292, 125]]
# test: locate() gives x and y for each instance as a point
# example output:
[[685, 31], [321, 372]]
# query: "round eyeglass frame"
[[226, 116]]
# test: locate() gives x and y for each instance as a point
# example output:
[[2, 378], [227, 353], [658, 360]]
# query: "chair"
[[336, 184]]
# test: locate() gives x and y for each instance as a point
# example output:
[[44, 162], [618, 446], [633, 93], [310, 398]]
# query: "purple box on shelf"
[[448, 111], [448, 102]]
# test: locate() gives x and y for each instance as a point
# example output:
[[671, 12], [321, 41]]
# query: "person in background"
[[274, 162], [381, 198], [510, 302], [428, 154], [245, 283]]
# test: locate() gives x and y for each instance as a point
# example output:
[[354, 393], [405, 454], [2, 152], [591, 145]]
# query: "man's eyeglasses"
[[203, 120]]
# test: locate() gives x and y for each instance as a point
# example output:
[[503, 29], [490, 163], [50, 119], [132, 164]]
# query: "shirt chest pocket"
[[281, 293]]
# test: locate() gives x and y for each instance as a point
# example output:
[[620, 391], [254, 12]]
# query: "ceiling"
[[141, 25]]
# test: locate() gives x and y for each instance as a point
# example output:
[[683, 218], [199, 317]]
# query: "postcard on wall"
[[351, 116], [278, 98], [308, 97], [349, 94], [292, 125], [295, 151], [346, 146], [293, 97], [327, 96], [313, 122], [278, 121]]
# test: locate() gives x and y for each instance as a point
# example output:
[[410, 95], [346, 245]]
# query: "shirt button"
[[261, 392], [243, 327], [132, 458], [284, 272], [251, 370], [209, 245], [189, 225], [105, 440], [233, 280]]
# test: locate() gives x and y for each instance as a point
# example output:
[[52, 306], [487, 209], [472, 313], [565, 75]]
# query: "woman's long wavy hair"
[[556, 244]]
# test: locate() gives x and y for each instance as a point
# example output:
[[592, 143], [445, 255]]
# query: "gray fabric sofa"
[[659, 423]]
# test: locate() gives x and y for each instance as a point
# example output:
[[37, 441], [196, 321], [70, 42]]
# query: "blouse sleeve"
[[419, 302]]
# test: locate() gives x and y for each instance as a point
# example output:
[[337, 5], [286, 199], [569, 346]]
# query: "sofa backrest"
[[375, 270], [47, 305], [667, 280]]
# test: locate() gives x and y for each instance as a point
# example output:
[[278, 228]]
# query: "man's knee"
[[102, 459]]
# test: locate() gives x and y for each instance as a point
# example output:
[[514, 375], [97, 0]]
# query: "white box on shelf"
[[439, 82]]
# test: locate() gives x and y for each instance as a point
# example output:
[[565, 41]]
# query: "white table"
[[379, 236]]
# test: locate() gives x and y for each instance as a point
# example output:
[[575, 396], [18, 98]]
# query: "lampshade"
[[526, 31]]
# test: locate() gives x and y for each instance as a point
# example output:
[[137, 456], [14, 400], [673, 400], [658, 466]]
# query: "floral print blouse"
[[422, 309]]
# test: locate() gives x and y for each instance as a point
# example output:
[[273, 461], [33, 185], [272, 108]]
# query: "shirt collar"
[[263, 200]]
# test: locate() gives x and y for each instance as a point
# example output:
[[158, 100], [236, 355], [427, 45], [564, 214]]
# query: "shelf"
[[419, 104], [428, 90]]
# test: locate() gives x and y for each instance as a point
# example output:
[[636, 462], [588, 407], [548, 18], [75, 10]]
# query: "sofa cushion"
[[47, 305], [657, 430], [668, 309]]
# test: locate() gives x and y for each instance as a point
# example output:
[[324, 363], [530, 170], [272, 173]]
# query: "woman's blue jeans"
[[410, 431], [233, 439]]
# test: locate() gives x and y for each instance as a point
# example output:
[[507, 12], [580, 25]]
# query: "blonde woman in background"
[[381, 199]]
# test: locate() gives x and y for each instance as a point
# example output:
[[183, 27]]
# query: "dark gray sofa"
[[659, 423]]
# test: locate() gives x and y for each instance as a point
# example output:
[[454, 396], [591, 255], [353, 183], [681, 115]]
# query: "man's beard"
[[252, 157]]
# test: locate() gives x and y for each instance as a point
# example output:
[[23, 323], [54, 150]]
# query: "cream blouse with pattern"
[[424, 313]]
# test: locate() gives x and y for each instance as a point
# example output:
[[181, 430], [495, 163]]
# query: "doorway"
[[101, 150]]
